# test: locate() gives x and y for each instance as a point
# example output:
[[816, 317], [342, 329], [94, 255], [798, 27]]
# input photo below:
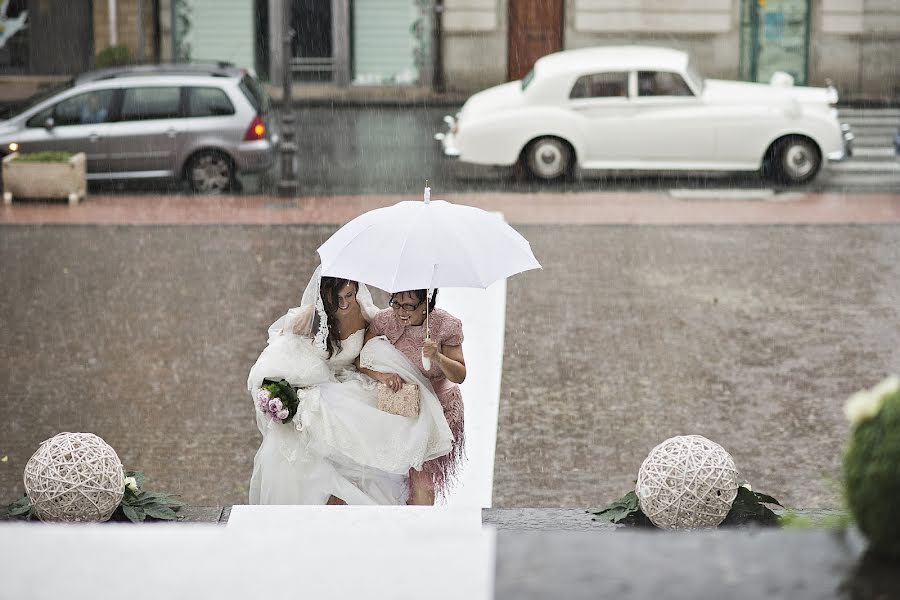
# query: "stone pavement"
[[644, 208], [137, 319]]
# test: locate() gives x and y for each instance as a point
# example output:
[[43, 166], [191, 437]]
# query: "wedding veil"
[[310, 320]]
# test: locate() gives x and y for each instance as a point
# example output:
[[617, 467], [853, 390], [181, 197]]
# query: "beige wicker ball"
[[687, 482], [74, 477]]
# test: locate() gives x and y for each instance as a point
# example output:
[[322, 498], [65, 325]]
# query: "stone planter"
[[23, 179]]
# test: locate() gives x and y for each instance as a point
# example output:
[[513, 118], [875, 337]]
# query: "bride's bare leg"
[[421, 488], [335, 501]]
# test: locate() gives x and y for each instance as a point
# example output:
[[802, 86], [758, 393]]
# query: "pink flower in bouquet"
[[283, 414], [275, 405], [263, 395]]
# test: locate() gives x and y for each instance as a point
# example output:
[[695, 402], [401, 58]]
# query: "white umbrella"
[[424, 245]]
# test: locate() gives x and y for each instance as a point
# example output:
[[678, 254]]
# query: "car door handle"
[[171, 133]]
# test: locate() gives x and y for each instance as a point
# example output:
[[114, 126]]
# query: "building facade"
[[855, 43], [461, 45], [342, 42]]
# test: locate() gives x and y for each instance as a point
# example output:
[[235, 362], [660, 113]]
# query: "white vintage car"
[[646, 108]]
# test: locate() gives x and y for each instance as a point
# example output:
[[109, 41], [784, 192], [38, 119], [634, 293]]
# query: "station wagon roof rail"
[[218, 69]]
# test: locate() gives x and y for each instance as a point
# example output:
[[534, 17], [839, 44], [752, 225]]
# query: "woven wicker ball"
[[687, 482], [74, 477]]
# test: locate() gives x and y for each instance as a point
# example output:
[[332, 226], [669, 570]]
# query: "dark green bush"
[[872, 475]]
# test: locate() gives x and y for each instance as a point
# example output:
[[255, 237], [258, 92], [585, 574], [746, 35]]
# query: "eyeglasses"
[[407, 307]]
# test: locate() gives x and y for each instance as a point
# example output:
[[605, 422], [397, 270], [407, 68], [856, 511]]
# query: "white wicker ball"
[[687, 482], [74, 477]]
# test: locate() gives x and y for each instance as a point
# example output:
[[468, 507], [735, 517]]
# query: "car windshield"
[[18, 108], [526, 81], [255, 94], [696, 79]]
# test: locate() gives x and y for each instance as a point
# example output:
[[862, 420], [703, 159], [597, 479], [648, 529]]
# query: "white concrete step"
[[859, 166], [872, 152], [211, 561], [353, 519]]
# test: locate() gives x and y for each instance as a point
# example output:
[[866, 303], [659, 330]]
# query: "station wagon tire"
[[210, 172], [794, 160], [548, 158]]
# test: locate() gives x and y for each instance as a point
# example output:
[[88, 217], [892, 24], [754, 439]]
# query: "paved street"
[[351, 150], [749, 321]]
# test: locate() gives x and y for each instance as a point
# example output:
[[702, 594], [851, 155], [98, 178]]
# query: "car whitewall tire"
[[548, 158], [795, 161]]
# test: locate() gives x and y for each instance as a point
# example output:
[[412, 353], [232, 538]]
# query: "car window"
[[662, 83], [146, 103], [208, 102], [601, 85], [83, 109], [17, 108], [40, 119], [255, 93]]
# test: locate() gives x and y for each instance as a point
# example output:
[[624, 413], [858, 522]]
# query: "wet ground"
[[375, 150], [750, 335]]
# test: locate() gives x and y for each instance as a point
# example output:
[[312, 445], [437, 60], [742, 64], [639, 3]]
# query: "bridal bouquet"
[[277, 400]]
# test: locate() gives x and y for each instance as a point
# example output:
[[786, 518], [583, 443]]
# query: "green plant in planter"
[[872, 464], [46, 156], [114, 56]]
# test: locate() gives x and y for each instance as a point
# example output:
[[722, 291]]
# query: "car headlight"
[[13, 147]]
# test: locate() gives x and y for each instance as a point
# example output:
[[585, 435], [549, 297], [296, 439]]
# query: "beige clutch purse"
[[405, 402]]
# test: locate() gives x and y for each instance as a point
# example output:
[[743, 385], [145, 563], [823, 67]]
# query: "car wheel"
[[548, 158], [795, 161], [210, 172]]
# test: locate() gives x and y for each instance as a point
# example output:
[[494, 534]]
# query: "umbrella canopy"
[[423, 245]]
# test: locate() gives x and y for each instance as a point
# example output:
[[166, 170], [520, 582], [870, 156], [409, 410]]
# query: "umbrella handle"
[[426, 362]]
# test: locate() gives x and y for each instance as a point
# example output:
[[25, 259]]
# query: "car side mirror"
[[49, 123]]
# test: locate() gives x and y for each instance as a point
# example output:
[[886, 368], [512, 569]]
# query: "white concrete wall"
[[474, 43], [856, 44]]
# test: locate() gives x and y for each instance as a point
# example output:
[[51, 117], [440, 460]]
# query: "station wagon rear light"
[[256, 131]]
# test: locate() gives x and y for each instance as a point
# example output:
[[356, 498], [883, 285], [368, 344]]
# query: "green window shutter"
[[383, 41], [222, 30]]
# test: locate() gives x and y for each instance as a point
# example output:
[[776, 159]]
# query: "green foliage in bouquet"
[[872, 464], [281, 389], [748, 508]]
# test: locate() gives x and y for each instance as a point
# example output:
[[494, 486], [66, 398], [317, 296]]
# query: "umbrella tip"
[[427, 192]]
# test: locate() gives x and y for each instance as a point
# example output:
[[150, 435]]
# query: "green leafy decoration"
[[750, 508], [135, 514], [624, 511], [20, 509], [163, 513]]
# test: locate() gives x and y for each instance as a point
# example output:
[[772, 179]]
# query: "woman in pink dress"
[[404, 326]]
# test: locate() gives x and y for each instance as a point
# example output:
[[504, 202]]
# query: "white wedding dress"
[[339, 443]]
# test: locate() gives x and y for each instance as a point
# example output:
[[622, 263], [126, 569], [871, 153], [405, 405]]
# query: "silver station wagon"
[[200, 123]]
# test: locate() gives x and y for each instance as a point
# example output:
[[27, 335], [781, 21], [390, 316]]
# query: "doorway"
[[535, 29], [311, 46], [774, 37]]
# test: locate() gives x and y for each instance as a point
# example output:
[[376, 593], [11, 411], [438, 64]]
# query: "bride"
[[339, 448]]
